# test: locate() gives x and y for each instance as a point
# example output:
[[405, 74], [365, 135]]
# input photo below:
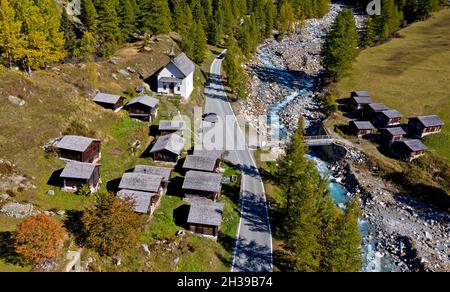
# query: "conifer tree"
[[108, 27], [127, 13], [70, 37], [89, 15]]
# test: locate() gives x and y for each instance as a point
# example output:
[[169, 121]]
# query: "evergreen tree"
[[368, 36], [200, 44], [286, 17], [340, 47], [89, 15], [85, 47], [70, 37], [156, 17], [108, 29], [236, 77], [127, 13]]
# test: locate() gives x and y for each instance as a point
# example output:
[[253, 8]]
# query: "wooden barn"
[[361, 129], [200, 150], [391, 135], [201, 163], [389, 118], [164, 172], [109, 101], [409, 149], [203, 184], [171, 127], [143, 108], [143, 202], [205, 217], [372, 109], [168, 148], [142, 182], [79, 148], [359, 103], [422, 126], [77, 174]]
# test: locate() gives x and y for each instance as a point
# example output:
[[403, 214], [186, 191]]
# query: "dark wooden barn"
[[79, 148], [77, 174], [422, 126], [391, 135], [409, 149], [205, 217], [168, 148], [388, 118], [143, 108], [203, 184], [361, 129], [109, 101]]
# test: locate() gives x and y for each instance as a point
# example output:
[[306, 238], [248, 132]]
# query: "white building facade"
[[177, 77]]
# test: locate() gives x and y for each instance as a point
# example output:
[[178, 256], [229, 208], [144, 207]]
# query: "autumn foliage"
[[111, 225], [39, 238]]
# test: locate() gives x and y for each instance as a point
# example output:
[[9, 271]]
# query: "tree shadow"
[[74, 226], [153, 130], [55, 179], [283, 260], [7, 251]]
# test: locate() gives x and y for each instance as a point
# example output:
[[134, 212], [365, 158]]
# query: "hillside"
[[58, 101]]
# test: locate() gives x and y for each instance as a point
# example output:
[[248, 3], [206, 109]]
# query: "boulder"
[[16, 100], [51, 192]]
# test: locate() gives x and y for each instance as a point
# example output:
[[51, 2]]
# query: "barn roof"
[[75, 143], [430, 121], [78, 170], [392, 114], [141, 200], [363, 125], [141, 182], [361, 93], [107, 98], [172, 143], [203, 181], [165, 125], [154, 170], [205, 212], [362, 99], [396, 131], [378, 107], [184, 64], [414, 145], [200, 151], [145, 100], [203, 163]]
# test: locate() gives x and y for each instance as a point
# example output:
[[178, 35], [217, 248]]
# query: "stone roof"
[[430, 121], [145, 100], [184, 64], [414, 145], [392, 114], [75, 143], [203, 181], [141, 182], [363, 125], [154, 170], [78, 170], [396, 131], [362, 99], [172, 143], [200, 151], [141, 200], [165, 125], [378, 107], [107, 98], [203, 163], [361, 93], [205, 212]]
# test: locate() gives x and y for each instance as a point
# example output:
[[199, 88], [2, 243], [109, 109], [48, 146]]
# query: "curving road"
[[253, 251]]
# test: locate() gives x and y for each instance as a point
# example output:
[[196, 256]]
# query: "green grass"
[[410, 73]]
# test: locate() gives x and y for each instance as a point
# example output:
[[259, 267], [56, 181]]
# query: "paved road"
[[253, 251]]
